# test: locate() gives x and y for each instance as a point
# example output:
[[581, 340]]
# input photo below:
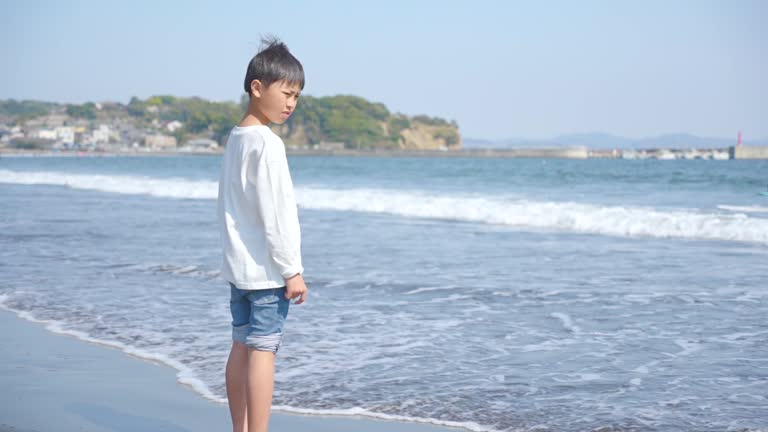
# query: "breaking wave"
[[548, 215]]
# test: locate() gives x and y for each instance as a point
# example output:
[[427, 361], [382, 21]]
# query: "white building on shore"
[[160, 141], [101, 134], [66, 134]]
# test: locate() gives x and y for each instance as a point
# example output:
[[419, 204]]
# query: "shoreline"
[[93, 386], [572, 153]]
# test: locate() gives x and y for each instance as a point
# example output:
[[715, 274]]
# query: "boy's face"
[[275, 103]]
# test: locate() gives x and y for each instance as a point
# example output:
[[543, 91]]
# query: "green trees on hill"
[[359, 123], [24, 109], [351, 120], [86, 111], [199, 116], [348, 119]]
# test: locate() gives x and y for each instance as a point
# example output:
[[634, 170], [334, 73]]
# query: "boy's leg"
[[236, 377], [261, 382], [257, 320]]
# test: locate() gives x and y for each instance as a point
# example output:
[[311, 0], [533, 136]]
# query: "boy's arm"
[[277, 208]]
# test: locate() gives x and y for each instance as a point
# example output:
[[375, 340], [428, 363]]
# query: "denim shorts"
[[258, 317]]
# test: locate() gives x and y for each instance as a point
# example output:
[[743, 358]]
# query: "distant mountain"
[[508, 143], [596, 140], [600, 140]]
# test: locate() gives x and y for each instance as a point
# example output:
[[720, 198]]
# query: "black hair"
[[273, 63]]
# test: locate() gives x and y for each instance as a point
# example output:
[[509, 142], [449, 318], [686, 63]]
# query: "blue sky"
[[534, 69]]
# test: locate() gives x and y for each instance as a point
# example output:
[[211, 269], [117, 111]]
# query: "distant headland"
[[168, 123], [333, 125]]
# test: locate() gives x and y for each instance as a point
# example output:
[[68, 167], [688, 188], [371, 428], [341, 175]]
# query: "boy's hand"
[[295, 287]]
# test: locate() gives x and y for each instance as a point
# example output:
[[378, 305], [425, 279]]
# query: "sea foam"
[[487, 209]]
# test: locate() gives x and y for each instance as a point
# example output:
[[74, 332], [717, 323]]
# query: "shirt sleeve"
[[276, 206]]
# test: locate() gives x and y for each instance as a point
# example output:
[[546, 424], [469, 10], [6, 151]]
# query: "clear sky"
[[533, 69]]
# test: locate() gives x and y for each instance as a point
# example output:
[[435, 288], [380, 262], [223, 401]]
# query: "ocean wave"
[[129, 185], [561, 216]]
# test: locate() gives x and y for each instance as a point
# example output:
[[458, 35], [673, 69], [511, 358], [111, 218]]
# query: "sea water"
[[490, 294]]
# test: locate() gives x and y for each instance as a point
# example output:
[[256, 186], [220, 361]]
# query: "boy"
[[260, 234]]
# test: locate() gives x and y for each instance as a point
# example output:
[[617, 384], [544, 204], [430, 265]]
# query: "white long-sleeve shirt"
[[257, 211]]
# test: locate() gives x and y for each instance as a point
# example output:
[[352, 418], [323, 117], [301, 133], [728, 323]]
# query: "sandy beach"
[[58, 383]]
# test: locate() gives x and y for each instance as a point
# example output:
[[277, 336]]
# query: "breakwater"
[[562, 153]]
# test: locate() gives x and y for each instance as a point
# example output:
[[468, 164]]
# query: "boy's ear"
[[256, 88]]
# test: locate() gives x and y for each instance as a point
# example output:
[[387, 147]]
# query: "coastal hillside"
[[331, 122], [358, 123]]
